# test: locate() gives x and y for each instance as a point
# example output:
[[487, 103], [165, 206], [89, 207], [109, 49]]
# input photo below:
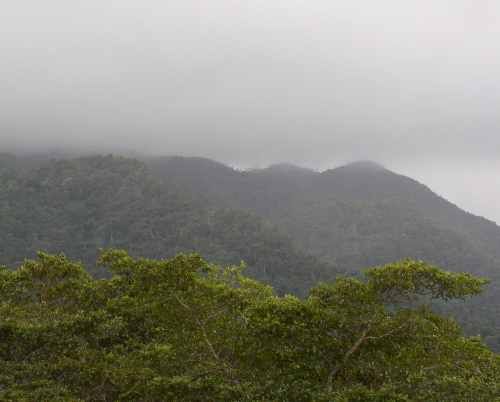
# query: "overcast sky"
[[413, 84]]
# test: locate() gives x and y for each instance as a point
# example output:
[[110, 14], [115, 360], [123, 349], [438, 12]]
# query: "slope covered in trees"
[[358, 215], [78, 206], [185, 330], [292, 226]]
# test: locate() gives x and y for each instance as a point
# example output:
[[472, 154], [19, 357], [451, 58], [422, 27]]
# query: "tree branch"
[[346, 357], [202, 328]]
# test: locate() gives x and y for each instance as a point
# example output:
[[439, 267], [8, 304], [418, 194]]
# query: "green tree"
[[186, 330]]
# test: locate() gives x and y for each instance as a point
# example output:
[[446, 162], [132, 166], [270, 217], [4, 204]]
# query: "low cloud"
[[413, 85]]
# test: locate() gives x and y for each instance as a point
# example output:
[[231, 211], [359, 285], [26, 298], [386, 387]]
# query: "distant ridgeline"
[[79, 206], [292, 226]]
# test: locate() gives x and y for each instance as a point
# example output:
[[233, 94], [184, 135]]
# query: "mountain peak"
[[366, 165], [288, 168]]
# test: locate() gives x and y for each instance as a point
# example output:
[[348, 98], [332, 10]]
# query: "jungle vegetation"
[[182, 329]]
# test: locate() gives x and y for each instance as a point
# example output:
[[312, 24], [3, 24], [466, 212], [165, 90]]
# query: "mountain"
[[359, 214], [356, 216], [292, 226], [79, 206]]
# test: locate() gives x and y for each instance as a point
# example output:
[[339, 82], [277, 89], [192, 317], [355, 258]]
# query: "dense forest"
[[79, 206], [185, 330], [291, 226], [357, 216]]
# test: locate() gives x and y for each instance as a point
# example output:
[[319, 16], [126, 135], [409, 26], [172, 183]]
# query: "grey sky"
[[413, 84]]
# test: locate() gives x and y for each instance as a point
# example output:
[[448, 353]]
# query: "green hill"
[[79, 206], [357, 216], [292, 226]]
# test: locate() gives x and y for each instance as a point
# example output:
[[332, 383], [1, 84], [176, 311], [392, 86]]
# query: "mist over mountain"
[[413, 85], [252, 201]]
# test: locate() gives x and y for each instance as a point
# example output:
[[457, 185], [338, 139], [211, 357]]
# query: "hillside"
[[357, 216], [292, 226], [79, 206]]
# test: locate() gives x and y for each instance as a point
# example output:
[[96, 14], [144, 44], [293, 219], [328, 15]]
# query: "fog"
[[411, 84]]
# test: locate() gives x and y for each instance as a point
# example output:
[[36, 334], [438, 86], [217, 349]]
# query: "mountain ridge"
[[361, 215], [79, 206], [291, 229]]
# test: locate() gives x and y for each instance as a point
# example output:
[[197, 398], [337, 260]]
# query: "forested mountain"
[[292, 226], [78, 206], [357, 216]]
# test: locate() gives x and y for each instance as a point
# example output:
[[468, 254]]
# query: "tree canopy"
[[183, 329]]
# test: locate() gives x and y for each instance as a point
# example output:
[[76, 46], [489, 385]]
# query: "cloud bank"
[[413, 85]]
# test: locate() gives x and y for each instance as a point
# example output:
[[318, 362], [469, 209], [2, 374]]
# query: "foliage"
[[78, 206], [186, 330], [356, 216], [293, 227]]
